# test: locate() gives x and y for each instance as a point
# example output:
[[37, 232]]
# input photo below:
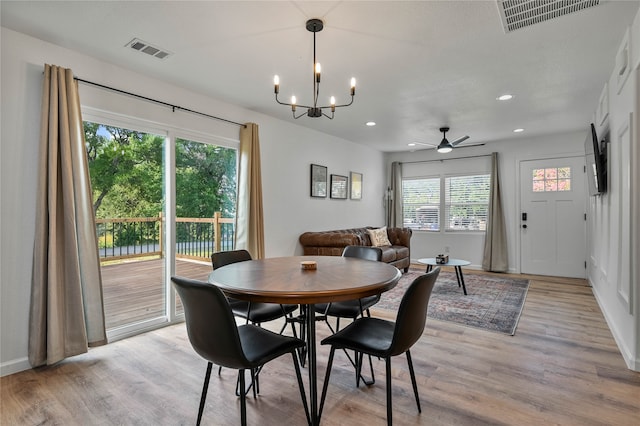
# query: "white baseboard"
[[14, 366]]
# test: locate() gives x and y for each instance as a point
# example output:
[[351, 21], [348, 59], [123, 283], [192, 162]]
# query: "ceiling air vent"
[[144, 47], [516, 14]]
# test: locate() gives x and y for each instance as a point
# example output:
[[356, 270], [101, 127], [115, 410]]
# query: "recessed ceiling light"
[[411, 144], [518, 130], [370, 123], [504, 97]]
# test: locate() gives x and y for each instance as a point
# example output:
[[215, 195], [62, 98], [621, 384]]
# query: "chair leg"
[[389, 408], [413, 381], [301, 386], [373, 377], [251, 385], [326, 381], [254, 381], [203, 397], [243, 400], [358, 357]]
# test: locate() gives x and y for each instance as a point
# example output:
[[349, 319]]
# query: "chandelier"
[[314, 25]]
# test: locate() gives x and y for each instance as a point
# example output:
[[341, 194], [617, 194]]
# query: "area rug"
[[493, 302]]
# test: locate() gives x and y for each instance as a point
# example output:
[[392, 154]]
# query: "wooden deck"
[[133, 291]]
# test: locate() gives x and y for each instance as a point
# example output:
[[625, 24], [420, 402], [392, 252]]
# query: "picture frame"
[[356, 185], [339, 187], [318, 181]]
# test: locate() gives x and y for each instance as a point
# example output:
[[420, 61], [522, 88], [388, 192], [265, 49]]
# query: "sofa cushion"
[[389, 254], [379, 237]]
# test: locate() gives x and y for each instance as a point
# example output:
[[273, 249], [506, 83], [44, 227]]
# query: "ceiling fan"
[[445, 146]]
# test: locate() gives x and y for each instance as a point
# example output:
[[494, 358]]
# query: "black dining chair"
[[351, 308], [256, 313], [385, 339], [215, 336]]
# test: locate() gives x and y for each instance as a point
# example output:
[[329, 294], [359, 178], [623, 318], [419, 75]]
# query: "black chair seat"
[[261, 346], [369, 335], [348, 309], [257, 313]]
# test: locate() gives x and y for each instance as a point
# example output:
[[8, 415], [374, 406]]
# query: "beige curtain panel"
[[495, 257], [249, 217], [67, 313]]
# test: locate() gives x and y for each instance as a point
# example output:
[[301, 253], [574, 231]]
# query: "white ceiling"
[[420, 65]]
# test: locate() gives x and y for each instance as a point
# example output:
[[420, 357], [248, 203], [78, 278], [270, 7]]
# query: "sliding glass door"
[[163, 205]]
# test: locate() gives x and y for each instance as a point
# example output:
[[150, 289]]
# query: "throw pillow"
[[379, 237]]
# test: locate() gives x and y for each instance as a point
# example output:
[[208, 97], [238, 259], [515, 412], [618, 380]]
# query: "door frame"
[[516, 213]]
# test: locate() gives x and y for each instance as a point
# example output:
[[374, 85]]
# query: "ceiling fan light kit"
[[314, 25]]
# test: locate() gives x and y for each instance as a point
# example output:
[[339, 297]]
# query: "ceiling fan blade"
[[425, 144], [459, 140]]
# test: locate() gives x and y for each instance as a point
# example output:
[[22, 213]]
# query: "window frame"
[[443, 206], [446, 205]]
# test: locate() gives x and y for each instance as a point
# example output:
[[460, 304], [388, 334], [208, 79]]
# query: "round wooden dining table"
[[283, 280]]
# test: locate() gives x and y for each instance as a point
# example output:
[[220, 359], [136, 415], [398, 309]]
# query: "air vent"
[[516, 14], [144, 47]]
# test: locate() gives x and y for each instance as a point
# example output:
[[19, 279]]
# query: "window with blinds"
[[466, 202], [459, 202], [421, 203]]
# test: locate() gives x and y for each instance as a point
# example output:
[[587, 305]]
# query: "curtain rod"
[[173, 107], [444, 159]]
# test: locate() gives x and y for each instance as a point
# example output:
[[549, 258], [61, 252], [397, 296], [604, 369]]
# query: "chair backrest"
[[412, 313], [211, 327], [363, 252], [223, 258]]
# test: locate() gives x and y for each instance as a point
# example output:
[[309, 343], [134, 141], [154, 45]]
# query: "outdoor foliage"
[[126, 169]]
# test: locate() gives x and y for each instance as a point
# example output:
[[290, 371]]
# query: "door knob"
[[524, 226]]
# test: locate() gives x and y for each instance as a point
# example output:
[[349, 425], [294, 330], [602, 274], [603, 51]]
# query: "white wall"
[[613, 218], [287, 152], [614, 249], [469, 245]]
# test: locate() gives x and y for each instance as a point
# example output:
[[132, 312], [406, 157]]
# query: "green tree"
[[126, 169], [205, 180]]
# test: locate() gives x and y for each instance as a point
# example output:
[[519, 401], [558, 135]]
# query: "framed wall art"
[[339, 187], [318, 181], [356, 186]]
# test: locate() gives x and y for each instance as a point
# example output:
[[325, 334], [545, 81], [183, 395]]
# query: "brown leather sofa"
[[332, 243]]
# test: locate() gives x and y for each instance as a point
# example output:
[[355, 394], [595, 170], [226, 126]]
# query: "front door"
[[552, 217]]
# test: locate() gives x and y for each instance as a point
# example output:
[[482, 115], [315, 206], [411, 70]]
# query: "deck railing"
[[196, 238]]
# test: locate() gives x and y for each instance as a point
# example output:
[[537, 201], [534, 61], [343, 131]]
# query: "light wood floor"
[[562, 367]]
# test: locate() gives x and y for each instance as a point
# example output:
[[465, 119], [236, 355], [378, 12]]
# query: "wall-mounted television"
[[596, 161]]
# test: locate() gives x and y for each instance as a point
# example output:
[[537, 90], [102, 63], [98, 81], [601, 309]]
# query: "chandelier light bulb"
[[353, 86], [332, 101], [276, 83], [318, 71]]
